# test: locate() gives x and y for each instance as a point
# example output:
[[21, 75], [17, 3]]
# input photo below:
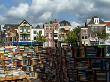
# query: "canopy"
[[27, 43]]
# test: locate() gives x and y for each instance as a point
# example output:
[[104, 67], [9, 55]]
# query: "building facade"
[[95, 24], [84, 36], [24, 31], [51, 33], [64, 28], [35, 31]]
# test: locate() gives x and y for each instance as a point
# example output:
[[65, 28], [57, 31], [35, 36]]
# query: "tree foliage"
[[77, 32], [72, 37], [102, 34], [40, 38]]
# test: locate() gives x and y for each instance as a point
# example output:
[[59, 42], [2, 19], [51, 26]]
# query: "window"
[[34, 32], [51, 28], [62, 29], [108, 28], [28, 37], [20, 30], [94, 29], [24, 22], [21, 37], [55, 34], [96, 20], [28, 30], [82, 37], [24, 30], [40, 31], [47, 28], [85, 37], [46, 34], [34, 38], [51, 34], [84, 31]]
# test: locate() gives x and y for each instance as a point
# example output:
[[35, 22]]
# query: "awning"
[[27, 43]]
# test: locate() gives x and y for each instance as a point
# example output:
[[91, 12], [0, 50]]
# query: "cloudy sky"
[[40, 11]]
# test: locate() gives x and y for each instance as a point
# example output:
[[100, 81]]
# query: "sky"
[[41, 11]]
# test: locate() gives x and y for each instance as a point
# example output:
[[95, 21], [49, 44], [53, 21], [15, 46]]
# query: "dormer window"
[[24, 22], [96, 20]]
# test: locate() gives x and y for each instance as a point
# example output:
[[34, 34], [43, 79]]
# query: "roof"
[[8, 26], [38, 27], [65, 23], [25, 21], [92, 20], [107, 23], [51, 22]]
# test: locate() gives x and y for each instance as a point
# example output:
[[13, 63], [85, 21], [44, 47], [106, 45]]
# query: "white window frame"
[[96, 20]]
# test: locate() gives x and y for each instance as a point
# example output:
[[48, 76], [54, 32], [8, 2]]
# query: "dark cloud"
[[42, 10]]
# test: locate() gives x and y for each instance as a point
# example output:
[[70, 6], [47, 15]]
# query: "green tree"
[[71, 38], [102, 35], [77, 32], [40, 38]]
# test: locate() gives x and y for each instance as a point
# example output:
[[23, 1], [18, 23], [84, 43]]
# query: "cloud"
[[49, 9], [45, 10], [46, 15], [52, 5], [106, 1], [75, 24], [3, 9], [2, 19], [20, 11]]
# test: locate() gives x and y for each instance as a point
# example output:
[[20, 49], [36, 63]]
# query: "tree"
[[77, 32], [40, 38], [72, 37], [102, 35]]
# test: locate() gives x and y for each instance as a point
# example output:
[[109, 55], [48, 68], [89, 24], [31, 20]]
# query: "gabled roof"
[[38, 27], [92, 20], [107, 23], [51, 22], [25, 21], [65, 23]]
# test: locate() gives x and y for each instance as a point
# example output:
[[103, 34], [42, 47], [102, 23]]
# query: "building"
[[64, 28], [24, 51], [35, 31], [107, 42], [107, 31], [2, 36], [9, 33], [95, 24], [51, 33], [24, 31], [84, 36]]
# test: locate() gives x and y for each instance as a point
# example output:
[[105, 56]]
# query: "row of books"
[[93, 70], [89, 52]]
